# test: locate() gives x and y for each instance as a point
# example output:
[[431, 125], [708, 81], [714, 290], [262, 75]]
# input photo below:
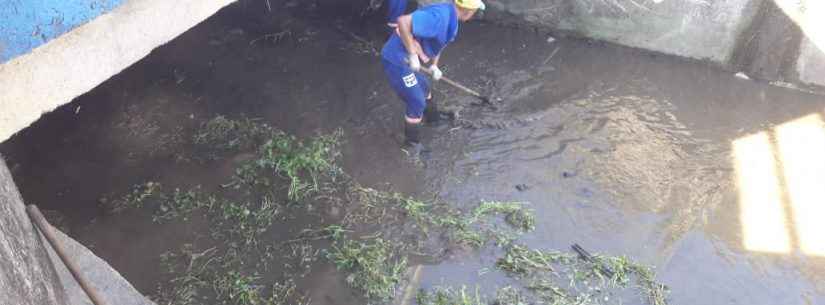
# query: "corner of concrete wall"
[[74, 63], [811, 64], [707, 30], [27, 276], [113, 288]]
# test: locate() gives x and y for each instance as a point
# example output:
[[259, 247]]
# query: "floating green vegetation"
[[301, 163], [520, 260], [510, 296], [462, 228], [564, 278], [214, 277], [221, 275], [473, 229], [220, 136], [181, 204], [373, 266], [449, 296], [135, 198], [305, 171], [177, 205], [244, 222], [515, 213]]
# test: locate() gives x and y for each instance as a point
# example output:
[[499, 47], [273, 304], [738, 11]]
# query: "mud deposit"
[[623, 152]]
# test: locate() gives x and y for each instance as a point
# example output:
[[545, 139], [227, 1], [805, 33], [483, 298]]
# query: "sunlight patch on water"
[[792, 167], [760, 197], [801, 146]]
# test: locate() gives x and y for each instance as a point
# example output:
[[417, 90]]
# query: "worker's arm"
[[435, 60], [407, 38]]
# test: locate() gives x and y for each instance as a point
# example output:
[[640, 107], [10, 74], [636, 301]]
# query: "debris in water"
[[449, 295], [742, 75], [550, 39], [588, 257], [373, 266], [547, 60]]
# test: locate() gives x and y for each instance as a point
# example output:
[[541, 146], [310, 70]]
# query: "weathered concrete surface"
[[74, 63], [811, 63], [695, 29], [779, 40], [27, 276], [112, 286], [30, 23], [769, 47], [809, 16]]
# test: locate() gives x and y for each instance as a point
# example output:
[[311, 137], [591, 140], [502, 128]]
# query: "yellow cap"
[[471, 4]]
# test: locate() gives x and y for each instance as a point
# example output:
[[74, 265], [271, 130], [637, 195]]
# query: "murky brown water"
[[624, 152], [630, 153]]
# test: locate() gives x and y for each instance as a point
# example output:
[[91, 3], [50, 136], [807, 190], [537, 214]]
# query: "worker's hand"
[[415, 64], [437, 74]]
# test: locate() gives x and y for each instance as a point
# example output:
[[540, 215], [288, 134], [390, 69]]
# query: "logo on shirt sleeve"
[[410, 80]]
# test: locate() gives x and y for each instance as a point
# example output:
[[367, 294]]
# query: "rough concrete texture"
[[74, 63], [27, 276], [808, 15], [695, 29], [112, 286], [811, 63], [769, 47]]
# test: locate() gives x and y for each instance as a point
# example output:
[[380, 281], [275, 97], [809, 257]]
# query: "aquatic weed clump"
[[137, 197], [221, 135], [238, 213], [301, 163], [215, 277], [566, 278], [373, 266], [515, 213], [449, 296], [292, 171], [521, 261], [510, 296]]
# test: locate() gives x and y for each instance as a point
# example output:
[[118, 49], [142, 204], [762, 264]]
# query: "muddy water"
[[628, 153], [623, 152]]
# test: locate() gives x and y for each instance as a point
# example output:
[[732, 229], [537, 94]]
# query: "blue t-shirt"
[[434, 26]]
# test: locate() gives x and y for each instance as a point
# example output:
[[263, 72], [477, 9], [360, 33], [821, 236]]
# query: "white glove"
[[437, 74], [415, 63]]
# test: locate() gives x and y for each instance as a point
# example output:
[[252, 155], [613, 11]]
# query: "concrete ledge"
[[695, 29], [74, 63], [112, 286], [27, 276]]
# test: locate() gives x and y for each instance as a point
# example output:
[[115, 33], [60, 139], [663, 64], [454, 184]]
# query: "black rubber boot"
[[431, 114], [412, 133], [412, 142]]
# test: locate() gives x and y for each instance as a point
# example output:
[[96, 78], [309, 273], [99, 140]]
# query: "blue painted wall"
[[27, 24]]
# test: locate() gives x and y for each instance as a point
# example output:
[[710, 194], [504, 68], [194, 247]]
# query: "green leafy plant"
[[221, 135], [300, 162], [181, 204], [449, 296], [135, 198], [372, 266]]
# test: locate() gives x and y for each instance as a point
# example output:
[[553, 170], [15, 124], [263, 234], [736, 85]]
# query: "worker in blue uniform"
[[421, 37], [395, 8]]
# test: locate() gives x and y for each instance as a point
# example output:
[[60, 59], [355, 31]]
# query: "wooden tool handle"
[[74, 269], [454, 83]]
